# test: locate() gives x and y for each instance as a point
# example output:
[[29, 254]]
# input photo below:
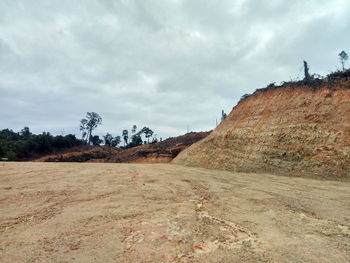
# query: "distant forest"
[[24, 144]]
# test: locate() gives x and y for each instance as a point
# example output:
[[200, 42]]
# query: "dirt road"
[[67, 212]]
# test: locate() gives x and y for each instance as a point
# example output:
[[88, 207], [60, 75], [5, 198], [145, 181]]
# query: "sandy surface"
[[67, 212]]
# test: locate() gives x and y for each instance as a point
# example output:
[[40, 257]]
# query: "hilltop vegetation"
[[24, 145], [315, 81]]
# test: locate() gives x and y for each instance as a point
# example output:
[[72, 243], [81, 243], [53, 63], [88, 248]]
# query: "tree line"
[[130, 139], [24, 144]]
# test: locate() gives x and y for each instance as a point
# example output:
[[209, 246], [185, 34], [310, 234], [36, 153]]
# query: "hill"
[[163, 151], [295, 129]]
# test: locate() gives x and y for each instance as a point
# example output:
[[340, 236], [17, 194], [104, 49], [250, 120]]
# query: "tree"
[[23, 144], [136, 140], [88, 124], [25, 132], [115, 142], [125, 137], [95, 140], [11, 156], [155, 139], [343, 57], [148, 132], [2, 151], [306, 72], [134, 128], [108, 139]]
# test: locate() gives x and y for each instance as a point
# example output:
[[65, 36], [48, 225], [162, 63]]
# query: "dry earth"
[[160, 152], [291, 129], [69, 212]]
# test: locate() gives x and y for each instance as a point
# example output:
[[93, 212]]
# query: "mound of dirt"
[[81, 154], [163, 151], [293, 130], [159, 152]]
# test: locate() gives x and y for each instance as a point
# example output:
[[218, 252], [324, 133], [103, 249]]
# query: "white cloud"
[[164, 64]]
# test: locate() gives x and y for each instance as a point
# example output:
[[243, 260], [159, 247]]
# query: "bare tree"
[[223, 115], [306, 72]]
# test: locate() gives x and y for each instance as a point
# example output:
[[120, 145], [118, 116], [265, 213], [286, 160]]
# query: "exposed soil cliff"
[[294, 129], [159, 152]]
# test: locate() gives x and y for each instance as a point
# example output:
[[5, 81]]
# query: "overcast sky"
[[166, 64]]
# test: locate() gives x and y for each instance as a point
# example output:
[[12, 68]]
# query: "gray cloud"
[[164, 64]]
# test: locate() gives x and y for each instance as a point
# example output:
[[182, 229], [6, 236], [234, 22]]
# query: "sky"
[[171, 65]]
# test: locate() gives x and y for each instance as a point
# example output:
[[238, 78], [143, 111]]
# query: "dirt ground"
[[70, 212], [159, 152]]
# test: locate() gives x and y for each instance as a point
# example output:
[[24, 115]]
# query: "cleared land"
[[69, 212]]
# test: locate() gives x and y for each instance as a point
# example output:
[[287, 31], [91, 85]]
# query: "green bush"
[[24, 144]]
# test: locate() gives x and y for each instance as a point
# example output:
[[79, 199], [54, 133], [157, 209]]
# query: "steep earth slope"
[[291, 129]]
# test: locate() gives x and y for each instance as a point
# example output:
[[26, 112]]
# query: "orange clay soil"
[[293, 130]]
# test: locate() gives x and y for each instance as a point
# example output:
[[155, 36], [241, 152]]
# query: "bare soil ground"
[[69, 212]]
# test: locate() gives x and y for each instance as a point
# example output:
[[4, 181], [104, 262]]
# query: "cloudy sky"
[[166, 64]]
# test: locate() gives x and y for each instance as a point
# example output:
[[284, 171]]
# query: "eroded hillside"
[[294, 129], [160, 152]]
